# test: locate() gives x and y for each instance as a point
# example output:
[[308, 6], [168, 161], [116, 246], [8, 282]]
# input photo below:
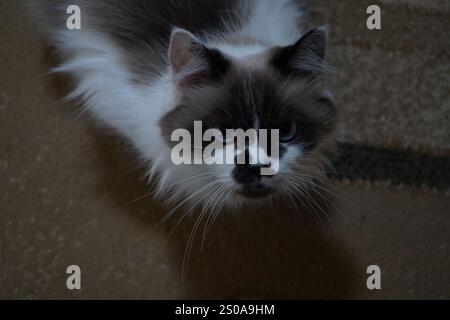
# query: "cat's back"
[[137, 21], [140, 29]]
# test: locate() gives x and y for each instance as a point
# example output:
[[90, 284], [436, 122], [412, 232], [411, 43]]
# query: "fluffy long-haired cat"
[[145, 68]]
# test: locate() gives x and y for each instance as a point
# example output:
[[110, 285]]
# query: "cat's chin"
[[256, 191], [238, 201]]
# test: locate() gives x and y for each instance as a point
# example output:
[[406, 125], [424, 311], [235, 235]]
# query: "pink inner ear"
[[181, 53]]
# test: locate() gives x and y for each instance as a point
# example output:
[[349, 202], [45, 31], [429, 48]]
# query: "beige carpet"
[[63, 183]]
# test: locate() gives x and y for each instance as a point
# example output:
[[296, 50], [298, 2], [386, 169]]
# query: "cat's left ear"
[[305, 57]]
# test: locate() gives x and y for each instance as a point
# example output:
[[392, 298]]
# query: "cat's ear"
[[305, 57], [191, 61]]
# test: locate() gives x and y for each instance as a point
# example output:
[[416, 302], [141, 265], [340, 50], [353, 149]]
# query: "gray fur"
[[275, 88], [142, 28]]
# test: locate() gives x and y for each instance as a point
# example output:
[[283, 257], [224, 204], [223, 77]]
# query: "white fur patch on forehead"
[[241, 51]]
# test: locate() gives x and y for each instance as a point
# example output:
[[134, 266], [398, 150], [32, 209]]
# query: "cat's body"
[[145, 68]]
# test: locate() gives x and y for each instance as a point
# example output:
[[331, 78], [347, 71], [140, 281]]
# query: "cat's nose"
[[248, 174], [249, 178]]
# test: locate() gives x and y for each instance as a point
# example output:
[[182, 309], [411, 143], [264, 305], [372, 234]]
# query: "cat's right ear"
[[305, 57], [191, 61]]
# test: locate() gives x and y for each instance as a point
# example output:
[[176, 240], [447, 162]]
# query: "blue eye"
[[288, 131]]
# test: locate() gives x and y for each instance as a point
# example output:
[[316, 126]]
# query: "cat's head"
[[276, 88]]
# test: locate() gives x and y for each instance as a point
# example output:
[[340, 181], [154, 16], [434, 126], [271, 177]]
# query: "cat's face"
[[280, 88]]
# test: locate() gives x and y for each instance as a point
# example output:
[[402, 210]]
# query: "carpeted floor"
[[63, 183]]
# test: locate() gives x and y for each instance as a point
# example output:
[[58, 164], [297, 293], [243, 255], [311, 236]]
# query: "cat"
[[147, 68]]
